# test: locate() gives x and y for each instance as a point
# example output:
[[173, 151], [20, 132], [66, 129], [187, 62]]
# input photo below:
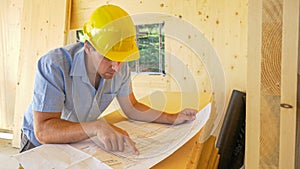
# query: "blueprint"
[[58, 156], [155, 142]]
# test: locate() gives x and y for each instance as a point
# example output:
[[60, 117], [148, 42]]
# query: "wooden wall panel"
[[288, 114], [270, 82], [271, 46], [10, 20], [253, 84], [269, 131], [297, 157], [44, 26], [272, 78]]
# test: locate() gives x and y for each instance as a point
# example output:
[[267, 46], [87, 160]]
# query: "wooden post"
[[253, 81], [288, 111]]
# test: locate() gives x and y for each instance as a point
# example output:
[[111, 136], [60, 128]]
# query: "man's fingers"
[[190, 114], [188, 117], [131, 145], [121, 143], [114, 143], [185, 115], [114, 138], [119, 130], [107, 143]]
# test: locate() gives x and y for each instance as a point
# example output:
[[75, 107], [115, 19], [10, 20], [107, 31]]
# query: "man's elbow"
[[41, 136]]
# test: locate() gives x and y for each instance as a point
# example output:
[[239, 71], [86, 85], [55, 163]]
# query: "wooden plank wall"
[[44, 26], [10, 22], [272, 69]]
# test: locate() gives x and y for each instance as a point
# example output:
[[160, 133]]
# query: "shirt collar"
[[78, 64]]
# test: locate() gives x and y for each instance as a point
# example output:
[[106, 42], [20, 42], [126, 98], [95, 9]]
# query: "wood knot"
[[286, 106]]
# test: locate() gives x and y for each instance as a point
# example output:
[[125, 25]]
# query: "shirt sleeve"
[[126, 86], [48, 93]]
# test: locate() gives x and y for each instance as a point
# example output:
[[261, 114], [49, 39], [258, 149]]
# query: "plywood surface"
[[290, 56], [253, 89], [10, 33]]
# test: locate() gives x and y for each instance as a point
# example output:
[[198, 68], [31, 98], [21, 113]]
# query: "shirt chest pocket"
[[105, 100]]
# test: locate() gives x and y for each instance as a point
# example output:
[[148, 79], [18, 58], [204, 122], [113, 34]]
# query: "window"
[[150, 40], [151, 44]]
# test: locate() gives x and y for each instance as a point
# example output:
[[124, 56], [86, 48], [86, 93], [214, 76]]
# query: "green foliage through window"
[[151, 44]]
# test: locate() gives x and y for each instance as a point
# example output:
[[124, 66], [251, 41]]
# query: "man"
[[75, 84]]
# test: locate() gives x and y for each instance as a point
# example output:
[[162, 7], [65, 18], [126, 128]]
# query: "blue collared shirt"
[[62, 85]]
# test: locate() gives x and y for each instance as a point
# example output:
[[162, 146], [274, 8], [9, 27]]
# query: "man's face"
[[106, 68]]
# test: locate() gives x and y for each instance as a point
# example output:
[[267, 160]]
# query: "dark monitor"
[[231, 140]]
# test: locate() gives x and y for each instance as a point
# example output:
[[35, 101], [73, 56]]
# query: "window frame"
[[161, 52]]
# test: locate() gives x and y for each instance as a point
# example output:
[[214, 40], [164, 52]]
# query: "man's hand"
[[114, 138], [185, 115]]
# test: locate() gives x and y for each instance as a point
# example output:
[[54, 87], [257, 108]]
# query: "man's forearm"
[[138, 111], [142, 112], [62, 131]]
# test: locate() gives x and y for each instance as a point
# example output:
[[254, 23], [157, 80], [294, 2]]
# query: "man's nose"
[[115, 66]]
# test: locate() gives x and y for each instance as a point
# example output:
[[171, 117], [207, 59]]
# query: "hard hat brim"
[[123, 56]]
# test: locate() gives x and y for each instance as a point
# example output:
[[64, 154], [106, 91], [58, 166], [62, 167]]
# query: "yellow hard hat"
[[112, 33]]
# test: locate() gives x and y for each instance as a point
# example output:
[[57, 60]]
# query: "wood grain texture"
[[182, 158], [297, 157], [212, 158], [270, 126], [215, 166], [207, 152], [10, 18], [275, 83], [290, 54], [271, 47], [254, 82]]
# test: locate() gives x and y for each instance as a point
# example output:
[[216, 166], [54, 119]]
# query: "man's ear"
[[87, 48]]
